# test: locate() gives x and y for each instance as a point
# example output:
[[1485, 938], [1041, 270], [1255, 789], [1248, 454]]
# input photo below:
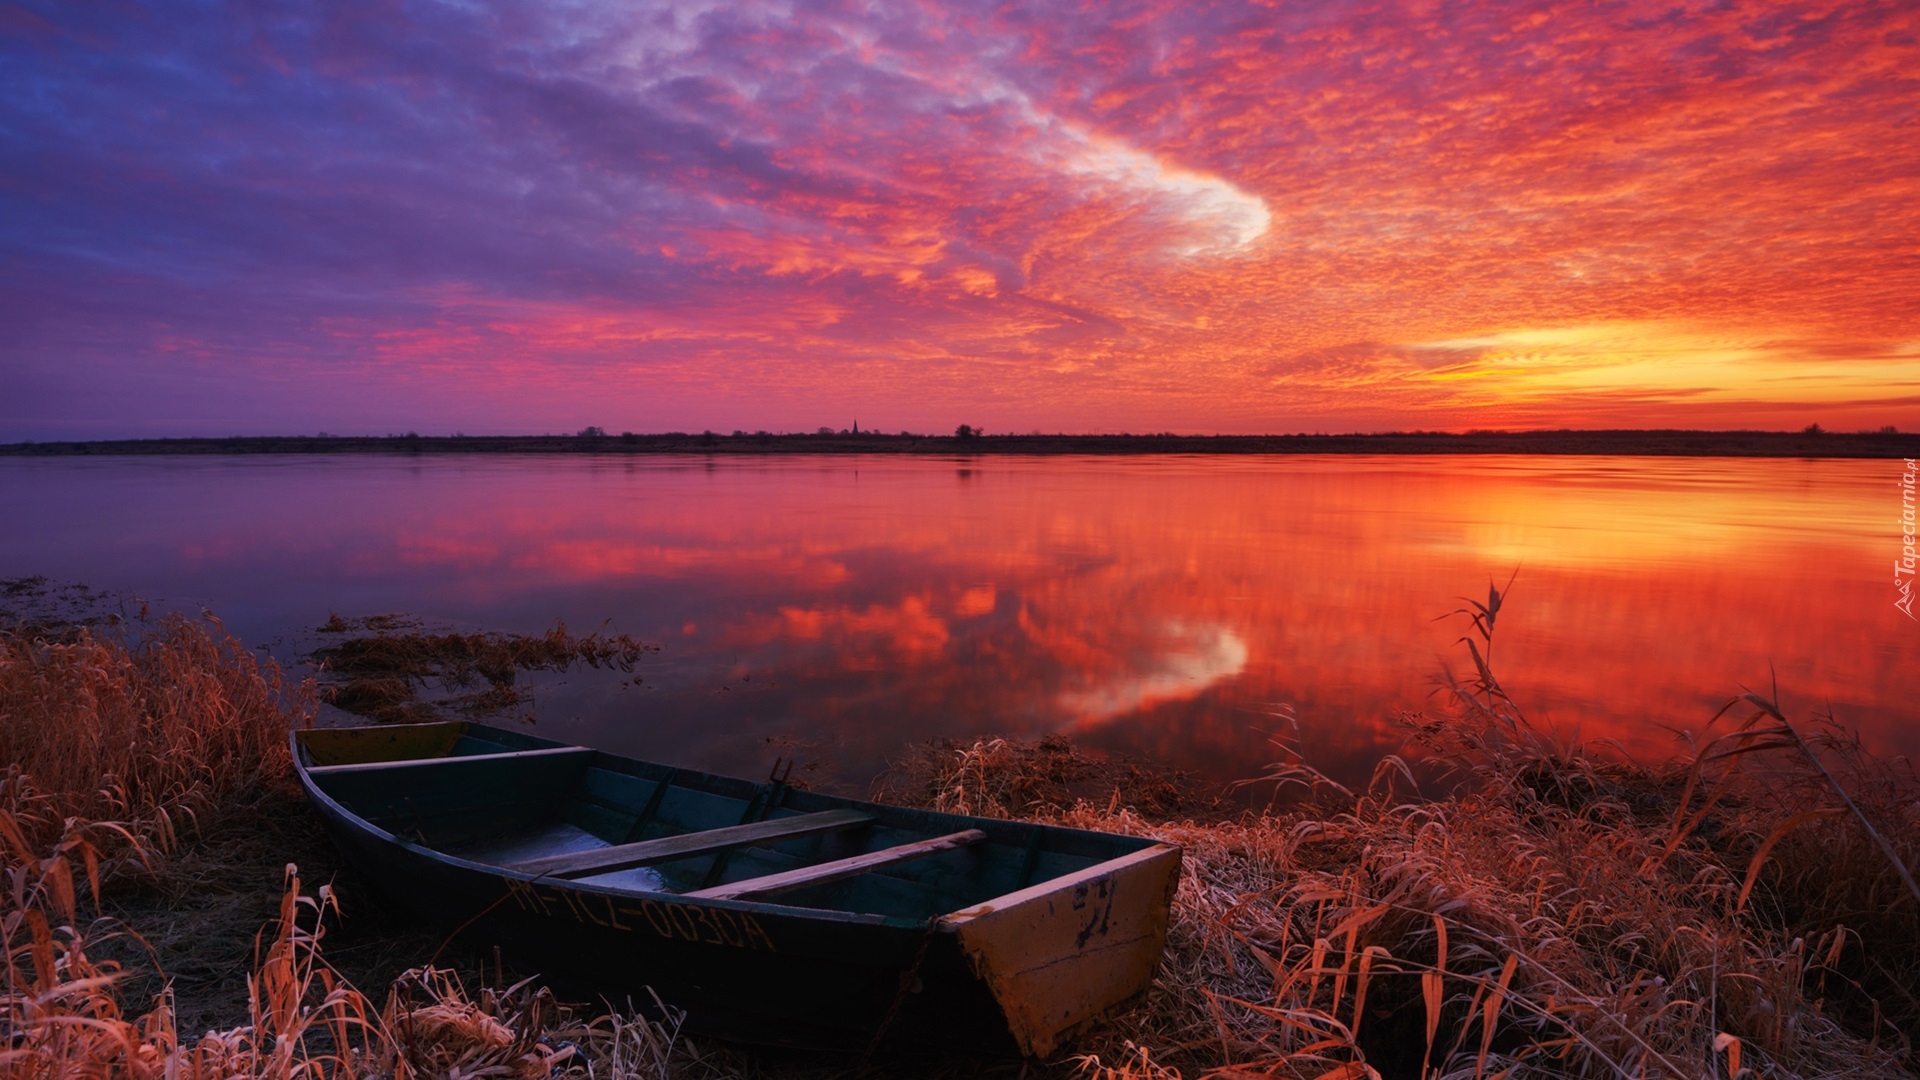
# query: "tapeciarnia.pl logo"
[[1905, 563]]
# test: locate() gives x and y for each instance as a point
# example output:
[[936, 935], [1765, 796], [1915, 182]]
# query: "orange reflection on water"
[[1173, 606], [1176, 607], [880, 636]]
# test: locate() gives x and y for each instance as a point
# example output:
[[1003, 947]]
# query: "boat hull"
[[1020, 973]]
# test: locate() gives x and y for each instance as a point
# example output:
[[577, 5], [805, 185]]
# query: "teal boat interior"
[[530, 806]]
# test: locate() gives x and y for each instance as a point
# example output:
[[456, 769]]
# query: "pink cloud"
[[1220, 217]]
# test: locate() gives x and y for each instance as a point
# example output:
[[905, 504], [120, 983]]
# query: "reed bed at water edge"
[[140, 733], [118, 747], [1554, 911], [1746, 910]]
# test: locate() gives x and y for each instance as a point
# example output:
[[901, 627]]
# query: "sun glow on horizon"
[[1674, 358]]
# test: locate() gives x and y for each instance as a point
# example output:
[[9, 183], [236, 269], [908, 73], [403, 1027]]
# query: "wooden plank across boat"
[[774, 914]]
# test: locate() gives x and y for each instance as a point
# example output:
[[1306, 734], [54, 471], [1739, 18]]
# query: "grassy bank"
[[1552, 912]]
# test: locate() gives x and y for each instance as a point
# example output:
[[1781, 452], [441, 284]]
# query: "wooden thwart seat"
[[839, 868], [627, 856]]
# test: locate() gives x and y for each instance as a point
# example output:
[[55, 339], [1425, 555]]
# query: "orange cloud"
[[1159, 216]]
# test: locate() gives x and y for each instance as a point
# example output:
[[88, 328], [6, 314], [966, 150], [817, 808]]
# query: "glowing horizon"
[[400, 216]]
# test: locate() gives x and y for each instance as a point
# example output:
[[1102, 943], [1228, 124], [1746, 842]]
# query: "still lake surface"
[[838, 609]]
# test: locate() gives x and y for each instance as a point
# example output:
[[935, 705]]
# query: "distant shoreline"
[[1663, 443]]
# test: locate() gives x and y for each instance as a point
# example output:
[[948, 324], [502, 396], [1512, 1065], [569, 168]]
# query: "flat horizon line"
[[1647, 442]]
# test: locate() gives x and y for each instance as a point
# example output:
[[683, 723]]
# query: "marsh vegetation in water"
[[394, 671]]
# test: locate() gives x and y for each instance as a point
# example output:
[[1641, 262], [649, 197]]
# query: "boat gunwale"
[[423, 762]]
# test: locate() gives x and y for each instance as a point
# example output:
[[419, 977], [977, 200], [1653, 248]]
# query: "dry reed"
[[150, 733], [1746, 911], [1009, 778], [1742, 912], [60, 1015], [115, 745]]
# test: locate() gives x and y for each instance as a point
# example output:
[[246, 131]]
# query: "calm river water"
[[837, 609]]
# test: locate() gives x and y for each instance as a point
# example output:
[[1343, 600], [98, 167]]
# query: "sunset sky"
[[361, 217]]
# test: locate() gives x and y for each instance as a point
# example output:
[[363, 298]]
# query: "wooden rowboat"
[[768, 912]]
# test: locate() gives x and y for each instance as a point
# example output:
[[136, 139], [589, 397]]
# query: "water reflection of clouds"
[[586, 559], [979, 600], [1181, 662], [597, 558], [1042, 663], [1155, 606], [860, 638]]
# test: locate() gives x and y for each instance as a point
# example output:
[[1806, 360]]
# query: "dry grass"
[[435, 1029], [379, 676], [1748, 910], [1471, 937], [1745, 911], [150, 734], [119, 749], [1009, 778], [61, 1015]]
